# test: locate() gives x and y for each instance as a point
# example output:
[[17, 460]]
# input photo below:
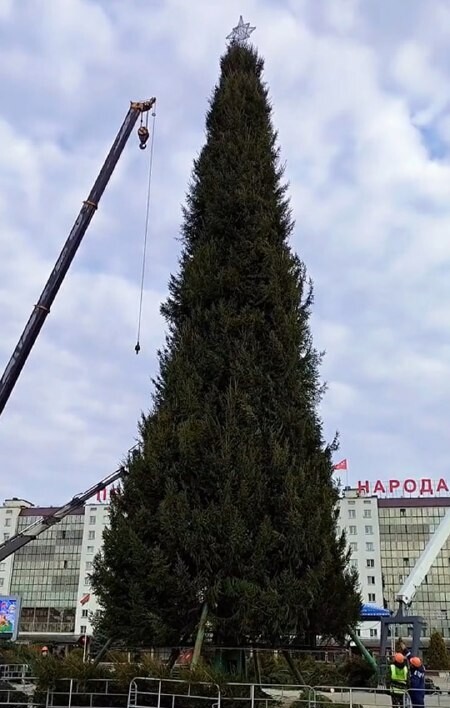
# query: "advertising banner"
[[9, 616]]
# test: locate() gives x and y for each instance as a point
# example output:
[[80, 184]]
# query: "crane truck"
[[42, 309], [90, 205]]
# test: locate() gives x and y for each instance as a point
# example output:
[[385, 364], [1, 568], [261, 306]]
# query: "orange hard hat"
[[416, 662], [399, 658]]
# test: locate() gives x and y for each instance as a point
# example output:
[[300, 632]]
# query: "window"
[[5, 536], [370, 563], [370, 580], [369, 546], [86, 580], [354, 547], [367, 513], [354, 564], [402, 512], [91, 535], [368, 530], [352, 530], [90, 549], [7, 522], [2, 566], [83, 629], [65, 564], [405, 561], [374, 633], [92, 519], [338, 533], [358, 632], [352, 513], [2, 580], [88, 565], [371, 597], [9, 511], [84, 613]]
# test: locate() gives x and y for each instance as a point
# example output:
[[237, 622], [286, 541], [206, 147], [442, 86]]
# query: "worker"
[[416, 677], [397, 680], [416, 682]]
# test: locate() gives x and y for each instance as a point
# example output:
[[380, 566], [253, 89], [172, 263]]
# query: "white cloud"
[[361, 100]]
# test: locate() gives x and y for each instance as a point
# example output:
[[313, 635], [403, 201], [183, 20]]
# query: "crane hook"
[[143, 136]]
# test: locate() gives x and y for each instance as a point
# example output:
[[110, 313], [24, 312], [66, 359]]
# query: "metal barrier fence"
[[14, 672], [147, 692], [176, 693], [16, 685], [90, 693], [374, 697], [19, 690]]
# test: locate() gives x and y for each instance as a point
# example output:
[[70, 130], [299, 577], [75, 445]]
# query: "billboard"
[[9, 616]]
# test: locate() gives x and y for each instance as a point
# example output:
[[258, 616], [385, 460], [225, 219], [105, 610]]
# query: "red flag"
[[342, 465], [101, 495], [85, 599]]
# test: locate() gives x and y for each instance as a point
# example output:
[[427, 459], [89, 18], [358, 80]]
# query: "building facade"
[[385, 534], [406, 525], [358, 516], [51, 573], [96, 518]]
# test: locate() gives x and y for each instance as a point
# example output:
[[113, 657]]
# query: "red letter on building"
[[379, 487], [363, 487], [393, 485], [426, 487], [410, 486], [442, 486]]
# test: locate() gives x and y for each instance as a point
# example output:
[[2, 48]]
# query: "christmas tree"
[[230, 506]]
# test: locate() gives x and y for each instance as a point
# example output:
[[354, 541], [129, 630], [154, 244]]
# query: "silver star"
[[241, 32]]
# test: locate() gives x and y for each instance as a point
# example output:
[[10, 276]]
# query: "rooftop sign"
[[424, 487]]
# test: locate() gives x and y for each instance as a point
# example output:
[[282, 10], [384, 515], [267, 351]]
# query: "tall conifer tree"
[[231, 499]]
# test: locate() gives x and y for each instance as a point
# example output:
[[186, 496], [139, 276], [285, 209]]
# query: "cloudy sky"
[[361, 94]]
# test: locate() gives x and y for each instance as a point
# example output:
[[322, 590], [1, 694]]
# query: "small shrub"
[[437, 654]]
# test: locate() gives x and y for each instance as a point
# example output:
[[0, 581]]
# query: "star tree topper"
[[241, 32]]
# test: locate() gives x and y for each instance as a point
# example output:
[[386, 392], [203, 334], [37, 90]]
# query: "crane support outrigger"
[[42, 308], [7, 548]]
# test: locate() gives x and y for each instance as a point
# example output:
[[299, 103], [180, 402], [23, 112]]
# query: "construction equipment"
[[407, 592], [33, 530], [42, 308]]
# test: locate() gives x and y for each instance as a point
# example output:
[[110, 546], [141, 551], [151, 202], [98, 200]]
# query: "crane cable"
[[137, 348]]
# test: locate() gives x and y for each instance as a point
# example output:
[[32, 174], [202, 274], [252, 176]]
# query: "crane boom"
[[21, 539], [423, 564], [42, 308]]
